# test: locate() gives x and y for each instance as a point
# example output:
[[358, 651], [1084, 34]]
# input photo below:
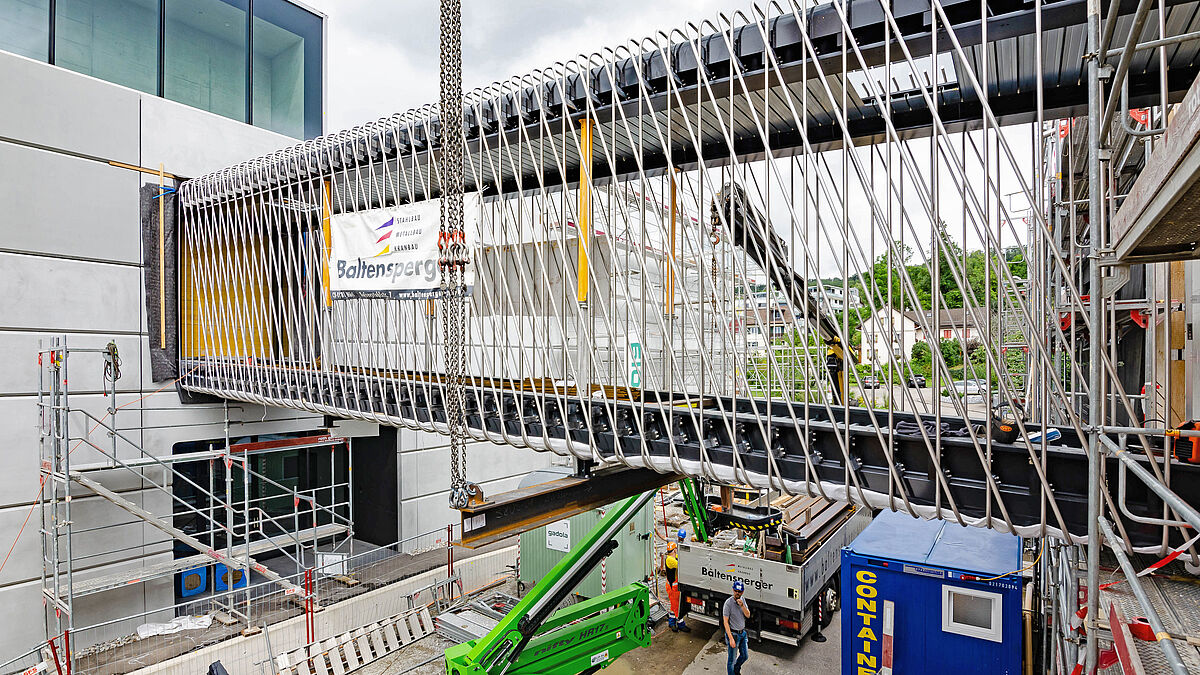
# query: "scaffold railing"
[[216, 506]]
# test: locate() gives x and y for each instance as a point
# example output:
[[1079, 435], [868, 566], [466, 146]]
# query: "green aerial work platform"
[[582, 638]]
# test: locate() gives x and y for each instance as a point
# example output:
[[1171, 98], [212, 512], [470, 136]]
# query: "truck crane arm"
[[582, 638], [750, 231]]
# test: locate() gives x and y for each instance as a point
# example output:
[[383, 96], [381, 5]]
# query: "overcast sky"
[[383, 56]]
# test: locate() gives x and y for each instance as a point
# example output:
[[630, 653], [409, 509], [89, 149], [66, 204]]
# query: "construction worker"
[[670, 569]]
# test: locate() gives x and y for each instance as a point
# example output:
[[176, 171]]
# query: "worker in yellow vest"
[[670, 570]]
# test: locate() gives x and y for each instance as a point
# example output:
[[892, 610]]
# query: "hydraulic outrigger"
[[582, 638]]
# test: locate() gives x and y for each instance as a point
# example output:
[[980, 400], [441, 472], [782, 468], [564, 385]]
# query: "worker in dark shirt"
[[734, 613]]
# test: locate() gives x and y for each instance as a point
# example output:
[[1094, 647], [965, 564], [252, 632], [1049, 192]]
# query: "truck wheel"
[[829, 604]]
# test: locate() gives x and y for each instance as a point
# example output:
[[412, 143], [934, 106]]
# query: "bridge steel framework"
[[957, 162]]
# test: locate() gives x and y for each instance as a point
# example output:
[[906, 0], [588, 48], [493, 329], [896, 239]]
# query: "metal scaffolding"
[[237, 515]]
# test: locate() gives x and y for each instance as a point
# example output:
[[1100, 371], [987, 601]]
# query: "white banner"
[[393, 252]]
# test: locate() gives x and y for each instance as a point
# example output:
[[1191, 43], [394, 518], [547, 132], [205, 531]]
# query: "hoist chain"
[[714, 237], [452, 250]]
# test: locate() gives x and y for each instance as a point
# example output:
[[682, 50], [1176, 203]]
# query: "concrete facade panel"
[[98, 221], [122, 537], [22, 630], [61, 109], [18, 466], [24, 563], [182, 139], [431, 512], [55, 294], [21, 376], [424, 472]]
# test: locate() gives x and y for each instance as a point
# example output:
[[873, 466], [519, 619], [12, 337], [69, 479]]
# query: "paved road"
[[921, 399], [766, 657]]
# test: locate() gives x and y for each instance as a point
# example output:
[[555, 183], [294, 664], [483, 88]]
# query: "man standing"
[[734, 614], [671, 571]]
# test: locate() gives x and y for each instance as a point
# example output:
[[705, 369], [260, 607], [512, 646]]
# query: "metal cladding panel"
[[917, 641], [900, 537]]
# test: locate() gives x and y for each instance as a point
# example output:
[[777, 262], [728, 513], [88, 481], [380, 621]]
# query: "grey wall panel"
[[93, 609], [20, 376], [58, 108], [24, 564], [431, 512], [91, 550], [64, 205], [122, 537], [20, 631], [56, 294], [19, 463], [424, 472], [191, 142]]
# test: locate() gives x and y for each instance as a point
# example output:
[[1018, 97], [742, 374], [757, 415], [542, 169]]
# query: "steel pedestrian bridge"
[[618, 315]]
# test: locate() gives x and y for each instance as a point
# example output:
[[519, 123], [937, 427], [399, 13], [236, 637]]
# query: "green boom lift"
[[579, 639]]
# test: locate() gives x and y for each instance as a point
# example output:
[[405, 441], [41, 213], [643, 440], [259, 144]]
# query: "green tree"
[[886, 266], [952, 352], [921, 359]]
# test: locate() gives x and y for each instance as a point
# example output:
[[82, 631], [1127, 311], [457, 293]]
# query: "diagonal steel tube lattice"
[[619, 314]]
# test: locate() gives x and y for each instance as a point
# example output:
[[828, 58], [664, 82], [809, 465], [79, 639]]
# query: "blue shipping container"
[[929, 596]]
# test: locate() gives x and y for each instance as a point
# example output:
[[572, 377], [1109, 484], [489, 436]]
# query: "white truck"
[[785, 598]]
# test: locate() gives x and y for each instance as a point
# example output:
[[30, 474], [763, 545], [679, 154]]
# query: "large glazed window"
[[287, 69], [114, 40], [204, 55], [25, 28]]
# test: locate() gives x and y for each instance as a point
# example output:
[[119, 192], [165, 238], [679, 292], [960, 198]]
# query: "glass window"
[[114, 40], [25, 28], [971, 612], [287, 69], [204, 55]]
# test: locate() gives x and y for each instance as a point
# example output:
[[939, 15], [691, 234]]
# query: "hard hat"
[[682, 534], [671, 546], [739, 586]]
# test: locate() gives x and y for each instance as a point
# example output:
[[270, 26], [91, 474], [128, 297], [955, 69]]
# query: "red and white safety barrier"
[[1175, 553], [1078, 669]]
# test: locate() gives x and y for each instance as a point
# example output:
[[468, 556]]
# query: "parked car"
[[916, 381], [871, 382], [970, 387]]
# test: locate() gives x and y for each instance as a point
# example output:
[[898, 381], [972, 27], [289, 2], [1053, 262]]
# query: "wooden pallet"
[[809, 521], [359, 647]]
